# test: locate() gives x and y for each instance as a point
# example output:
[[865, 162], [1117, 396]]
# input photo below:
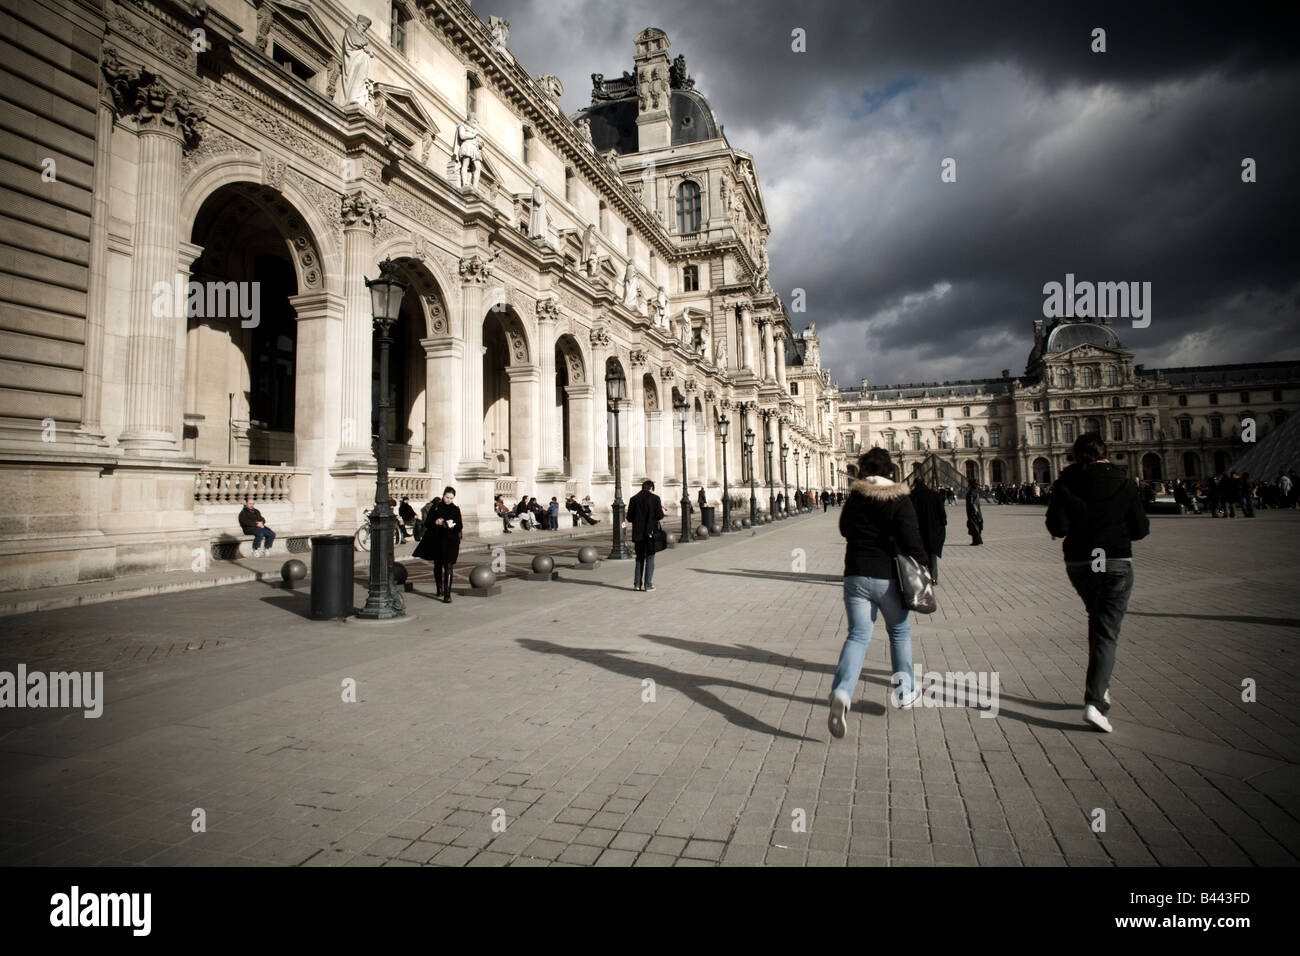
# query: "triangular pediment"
[[304, 21], [399, 103]]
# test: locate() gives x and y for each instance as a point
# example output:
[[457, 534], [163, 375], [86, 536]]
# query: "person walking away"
[[974, 516], [878, 522], [826, 501], [644, 512], [1099, 513], [1247, 495], [932, 520], [406, 517], [441, 542], [252, 522]]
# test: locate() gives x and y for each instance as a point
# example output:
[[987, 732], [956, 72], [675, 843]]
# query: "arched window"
[[1114, 402], [965, 411], [688, 208], [794, 388], [1146, 400], [1066, 406], [889, 416], [914, 413]]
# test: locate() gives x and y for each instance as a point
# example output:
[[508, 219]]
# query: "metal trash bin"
[[331, 577], [708, 516]]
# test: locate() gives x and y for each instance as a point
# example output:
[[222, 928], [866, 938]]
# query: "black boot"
[[437, 581], [446, 588]]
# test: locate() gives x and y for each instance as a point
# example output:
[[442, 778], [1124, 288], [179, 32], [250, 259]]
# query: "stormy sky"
[[1117, 166]]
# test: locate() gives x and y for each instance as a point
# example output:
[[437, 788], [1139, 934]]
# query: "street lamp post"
[[683, 413], [749, 454], [614, 390], [807, 459], [382, 601], [723, 426], [785, 477], [771, 477]]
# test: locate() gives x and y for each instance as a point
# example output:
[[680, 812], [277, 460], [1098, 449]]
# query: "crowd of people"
[[1221, 495]]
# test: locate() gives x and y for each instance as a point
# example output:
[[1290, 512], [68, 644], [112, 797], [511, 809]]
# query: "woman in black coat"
[[974, 517], [441, 541], [878, 522], [932, 520]]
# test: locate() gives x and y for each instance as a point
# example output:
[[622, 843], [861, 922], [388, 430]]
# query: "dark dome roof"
[[613, 122], [1068, 335]]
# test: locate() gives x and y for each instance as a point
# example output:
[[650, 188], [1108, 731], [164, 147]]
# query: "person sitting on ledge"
[[252, 522]]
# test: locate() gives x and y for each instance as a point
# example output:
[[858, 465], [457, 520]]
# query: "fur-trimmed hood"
[[880, 488]]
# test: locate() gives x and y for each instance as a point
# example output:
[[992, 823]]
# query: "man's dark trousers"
[[1105, 596]]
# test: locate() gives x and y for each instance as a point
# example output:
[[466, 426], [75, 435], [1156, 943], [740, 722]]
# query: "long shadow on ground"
[[692, 685]]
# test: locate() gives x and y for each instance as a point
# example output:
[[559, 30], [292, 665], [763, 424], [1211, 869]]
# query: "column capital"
[[547, 310], [600, 337], [474, 270], [156, 106], [360, 210], [638, 357]]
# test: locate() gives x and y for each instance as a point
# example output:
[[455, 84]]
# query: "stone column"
[[747, 326], [581, 402], [712, 471], [769, 350], [636, 437], [97, 294], [779, 355], [524, 400], [654, 452], [444, 361], [549, 450], [474, 274], [361, 216], [317, 401], [166, 126], [600, 433]]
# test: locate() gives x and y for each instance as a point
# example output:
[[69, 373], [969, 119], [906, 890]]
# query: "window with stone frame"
[[995, 436], [300, 43], [530, 139], [968, 438], [1117, 429], [1148, 429], [1184, 428], [1067, 431], [1216, 427], [570, 185], [602, 218], [472, 84], [690, 278], [1146, 400], [915, 413], [965, 411], [889, 415], [938, 413], [398, 20], [916, 441], [1182, 401], [794, 388], [1038, 406], [1214, 398], [1114, 401], [689, 208], [1037, 432]]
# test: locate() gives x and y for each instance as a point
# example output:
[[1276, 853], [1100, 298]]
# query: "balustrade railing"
[[414, 485], [219, 485]]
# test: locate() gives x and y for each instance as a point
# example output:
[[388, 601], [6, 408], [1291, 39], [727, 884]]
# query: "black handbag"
[[915, 586], [660, 538]]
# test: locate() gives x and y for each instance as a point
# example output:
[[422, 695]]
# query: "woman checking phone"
[[441, 542]]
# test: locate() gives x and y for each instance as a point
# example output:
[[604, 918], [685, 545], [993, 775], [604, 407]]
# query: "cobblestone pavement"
[[521, 729]]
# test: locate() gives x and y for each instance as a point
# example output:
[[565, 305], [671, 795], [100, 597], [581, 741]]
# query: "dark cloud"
[[1117, 166]]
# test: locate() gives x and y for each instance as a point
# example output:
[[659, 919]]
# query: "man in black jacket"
[[644, 511], [974, 516], [252, 522], [932, 520], [1099, 512]]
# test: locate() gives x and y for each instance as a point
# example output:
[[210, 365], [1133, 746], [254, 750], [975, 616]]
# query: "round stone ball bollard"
[[543, 564], [744, 522], [672, 539], [292, 572], [701, 532], [588, 555], [736, 525], [481, 577], [717, 528]]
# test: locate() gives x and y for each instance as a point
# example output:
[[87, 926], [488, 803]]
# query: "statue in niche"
[[537, 218], [631, 288], [356, 63], [657, 87], [661, 308], [721, 360], [589, 252], [468, 154]]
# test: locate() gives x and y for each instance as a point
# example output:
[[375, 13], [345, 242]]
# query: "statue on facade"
[[661, 308], [584, 129], [537, 218], [721, 358], [468, 154], [500, 28], [589, 251], [356, 63], [630, 286]]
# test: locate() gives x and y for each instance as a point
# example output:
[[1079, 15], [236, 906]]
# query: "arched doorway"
[[1191, 464], [241, 330], [972, 469], [1151, 467], [406, 384], [996, 470], [1042, 470], [504, 346]]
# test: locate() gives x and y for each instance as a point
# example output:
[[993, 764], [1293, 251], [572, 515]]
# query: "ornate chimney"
[[653, 123]]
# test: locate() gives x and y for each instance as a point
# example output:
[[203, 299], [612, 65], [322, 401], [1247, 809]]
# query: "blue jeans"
[[260, 534], [645, 561], [863, 597]]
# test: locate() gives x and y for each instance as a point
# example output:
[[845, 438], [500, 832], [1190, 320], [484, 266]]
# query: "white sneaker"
[[1106, 696], [841, 704], [257, 552], [1095, 717], [906, 703]]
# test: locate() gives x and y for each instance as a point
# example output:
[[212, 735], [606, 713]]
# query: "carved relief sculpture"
[[467, 152], [537, 217]]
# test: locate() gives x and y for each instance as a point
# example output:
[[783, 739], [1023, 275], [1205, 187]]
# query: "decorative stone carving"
[[500, 29], [437, 313], [677, 76], [273, 170], [584, 130], [212, 143], [164, 42], [667, 373], [551, 86], [248, 113], [589, 251], [474, 270], [638, 357], [537, 216], [356, 63], [710, 396], [725, 404], [600, 337], [468, 154], [359, 208], [690, 385], [547, 310]]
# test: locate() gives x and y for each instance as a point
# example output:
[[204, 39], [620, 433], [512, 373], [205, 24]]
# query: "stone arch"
[[1152, 467], [311, 240], [651, 388], [426, 275], [514, 329], [1041, 470]]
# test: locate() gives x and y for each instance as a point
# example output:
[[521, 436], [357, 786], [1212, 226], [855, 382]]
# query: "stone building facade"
[[1159, 424], [197, 194]]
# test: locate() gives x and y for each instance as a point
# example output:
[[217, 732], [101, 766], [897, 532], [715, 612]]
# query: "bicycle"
[[362, 537]]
